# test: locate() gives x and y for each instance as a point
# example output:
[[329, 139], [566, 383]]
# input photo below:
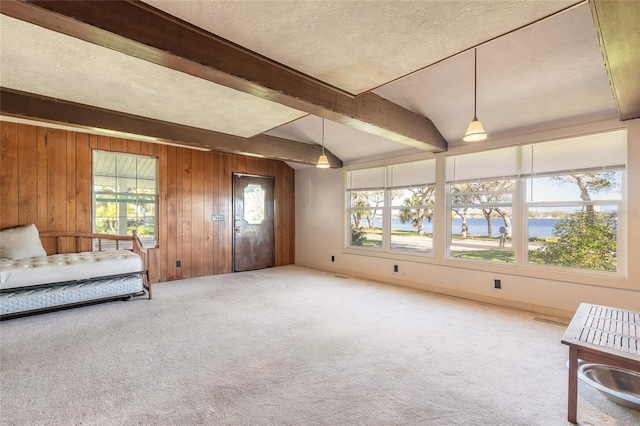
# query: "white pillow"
[[21, 242]]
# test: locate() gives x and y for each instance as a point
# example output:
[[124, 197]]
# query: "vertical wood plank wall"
[[46, 179]]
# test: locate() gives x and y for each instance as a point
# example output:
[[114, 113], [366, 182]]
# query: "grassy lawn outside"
[[472, 247], [497, 255], [481, 253]]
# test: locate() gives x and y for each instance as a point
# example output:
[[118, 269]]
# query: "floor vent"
[[550, 321]]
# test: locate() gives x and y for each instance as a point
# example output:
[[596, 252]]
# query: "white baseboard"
[[543, 310]]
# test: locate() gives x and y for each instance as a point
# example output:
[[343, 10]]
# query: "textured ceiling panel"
[[359, 45], [547, 73], [352, 144], [44, 62]]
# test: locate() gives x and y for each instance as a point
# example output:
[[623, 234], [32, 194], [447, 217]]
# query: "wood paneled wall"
[[46, 179]]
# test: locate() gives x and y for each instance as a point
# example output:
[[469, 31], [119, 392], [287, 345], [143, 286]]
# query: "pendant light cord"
[[323, 136], [475, 83]]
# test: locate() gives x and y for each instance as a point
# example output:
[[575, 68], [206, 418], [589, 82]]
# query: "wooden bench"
[[603, 335]]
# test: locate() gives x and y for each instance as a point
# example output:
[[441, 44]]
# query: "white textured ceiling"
[[352, 144], [40, 61], [359, 45], [549, 72], [543, 76]]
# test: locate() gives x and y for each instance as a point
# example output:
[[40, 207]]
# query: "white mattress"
[[66, 267], [25, 301]]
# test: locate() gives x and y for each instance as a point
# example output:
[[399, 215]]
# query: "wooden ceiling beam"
[[137, 29], [617, 25], [41, 108]]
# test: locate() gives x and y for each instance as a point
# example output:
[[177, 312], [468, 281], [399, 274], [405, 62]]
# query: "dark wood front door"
[[253, 239]]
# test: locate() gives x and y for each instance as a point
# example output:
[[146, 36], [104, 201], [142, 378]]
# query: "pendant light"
[[323, 161], [475, 131]]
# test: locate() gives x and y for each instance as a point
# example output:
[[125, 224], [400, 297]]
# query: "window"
[[254, 204], [555, 205], [391, 208], [567, 195], [481, 189], [125, 195], [412, 192], [573, 198], [365, 192]]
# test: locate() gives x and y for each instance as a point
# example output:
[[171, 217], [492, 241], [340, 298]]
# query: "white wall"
[[320, 235]]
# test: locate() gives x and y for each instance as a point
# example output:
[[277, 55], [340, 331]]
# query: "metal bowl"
[[618, 384]]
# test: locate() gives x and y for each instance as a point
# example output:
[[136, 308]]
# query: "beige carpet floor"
[[290, 346]]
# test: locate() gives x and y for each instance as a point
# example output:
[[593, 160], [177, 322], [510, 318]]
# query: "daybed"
[[32, 281]]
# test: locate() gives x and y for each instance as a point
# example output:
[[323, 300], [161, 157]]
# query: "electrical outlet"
[[178, 263], [395, 268], [333, 258], [497, 284]]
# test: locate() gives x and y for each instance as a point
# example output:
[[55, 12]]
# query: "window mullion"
[[519, 230], [386, 221]]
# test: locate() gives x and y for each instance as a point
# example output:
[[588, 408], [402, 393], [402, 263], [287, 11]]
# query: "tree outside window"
[[584, 234], [481, 220], [391, 208]]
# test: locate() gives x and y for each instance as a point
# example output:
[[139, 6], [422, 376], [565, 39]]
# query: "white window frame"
[[385, 184], [614, 160], [512, 205], [123, 220], [519, 231]]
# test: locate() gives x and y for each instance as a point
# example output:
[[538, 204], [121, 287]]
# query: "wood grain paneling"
[[207, 231], [27, 173], [84, 179], [46, 179], [173, 216], [42, 193], [198, 215], [9, 176]]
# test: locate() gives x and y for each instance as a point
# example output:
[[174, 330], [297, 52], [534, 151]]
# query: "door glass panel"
[[254, 204]]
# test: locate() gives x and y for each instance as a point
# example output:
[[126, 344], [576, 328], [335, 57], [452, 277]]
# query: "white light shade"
[[475, 132], [323, 162]]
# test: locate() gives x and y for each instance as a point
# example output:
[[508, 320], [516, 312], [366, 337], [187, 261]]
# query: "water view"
[[478, 226]]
